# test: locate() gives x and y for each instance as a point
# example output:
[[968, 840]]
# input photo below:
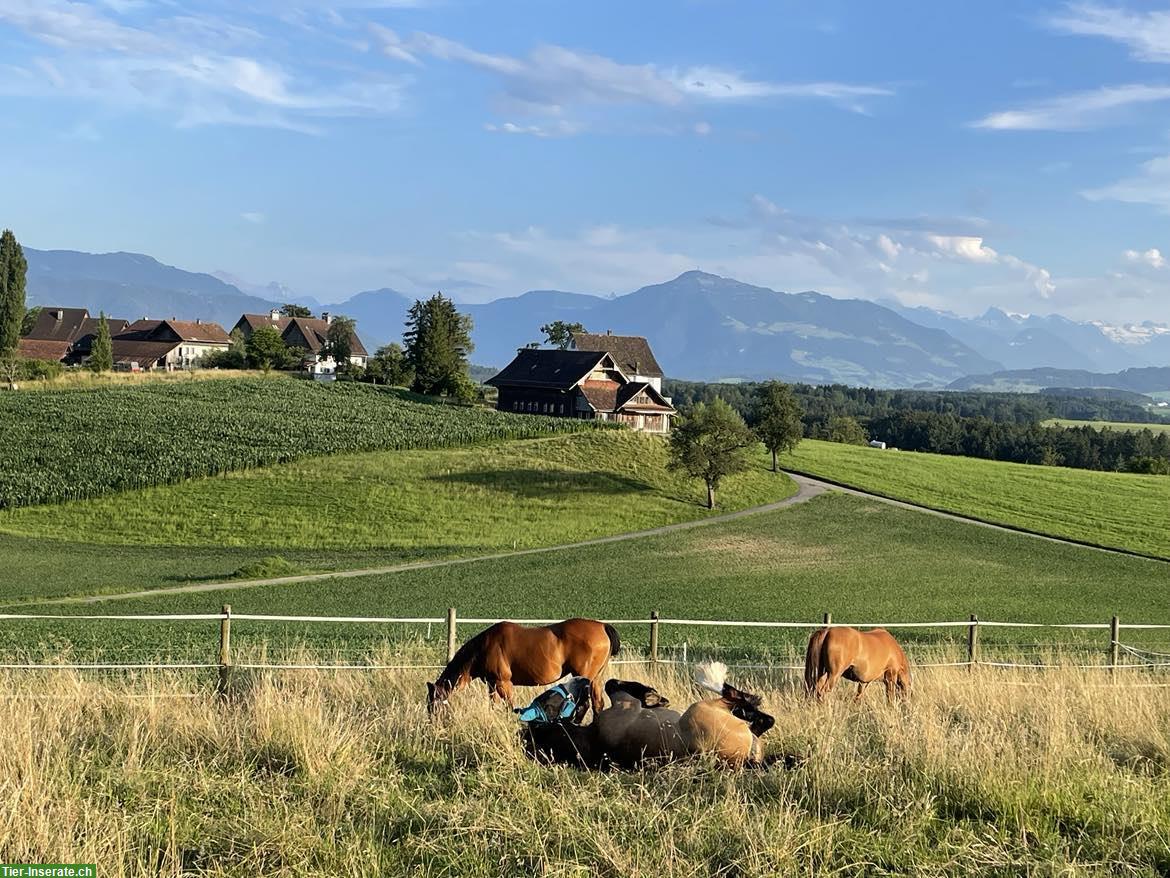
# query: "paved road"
[[807, 488]]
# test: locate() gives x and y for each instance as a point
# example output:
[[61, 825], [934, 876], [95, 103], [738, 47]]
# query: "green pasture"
[[1120, 510], [862, 560], [450, 502], [1120, 426]]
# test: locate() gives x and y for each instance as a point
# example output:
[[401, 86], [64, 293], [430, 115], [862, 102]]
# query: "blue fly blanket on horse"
[[566, 702]]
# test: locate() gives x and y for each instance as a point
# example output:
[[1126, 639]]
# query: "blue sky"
[[957, 155]]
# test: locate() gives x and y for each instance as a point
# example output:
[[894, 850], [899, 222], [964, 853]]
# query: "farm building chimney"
[[60, 315], [609, 332], [274, 314], [326, 316]]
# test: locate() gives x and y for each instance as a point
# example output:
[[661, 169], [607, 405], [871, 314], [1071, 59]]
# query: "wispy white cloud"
[[1078, 111], [253, 216], [1145, 33], [1151, 185], [555, 128], [198, 68], [551, 79]]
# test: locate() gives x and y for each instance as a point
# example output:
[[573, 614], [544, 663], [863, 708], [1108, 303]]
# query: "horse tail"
[[615, 642], [812, 659], [711, 676]]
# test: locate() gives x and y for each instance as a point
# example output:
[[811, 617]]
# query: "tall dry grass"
[[325, 773]]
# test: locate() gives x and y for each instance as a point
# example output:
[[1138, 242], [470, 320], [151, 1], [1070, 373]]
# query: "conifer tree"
[[436, 342], [13, 268], [101, 356]]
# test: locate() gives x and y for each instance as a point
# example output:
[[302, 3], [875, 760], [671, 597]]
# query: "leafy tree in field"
[[560, 334], [777, 418], [291, 310], [339, 341], [30, 320], [266, 349], [711, 442], [389, 366], [436, 342], [13, 268], [101, 355], [846, 430]]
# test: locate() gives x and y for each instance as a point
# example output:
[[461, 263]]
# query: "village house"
[[146, 345], [66, 335], [580, 384], [307, 333], [53, 334]]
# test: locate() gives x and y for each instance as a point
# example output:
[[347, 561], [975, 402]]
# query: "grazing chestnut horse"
[[729, 726], [859, 656], [507, 655]]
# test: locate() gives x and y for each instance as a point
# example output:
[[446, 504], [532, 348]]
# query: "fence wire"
[[288, 642]]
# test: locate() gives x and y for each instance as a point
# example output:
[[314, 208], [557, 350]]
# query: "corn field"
[[74, 444]]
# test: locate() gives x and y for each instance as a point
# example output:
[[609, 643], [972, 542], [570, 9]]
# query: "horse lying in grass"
[[729, 726], [506, 655], [637, 728], [859, 656]]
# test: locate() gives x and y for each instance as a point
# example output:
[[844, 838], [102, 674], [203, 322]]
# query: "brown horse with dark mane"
[[859, 656], [507, 655]]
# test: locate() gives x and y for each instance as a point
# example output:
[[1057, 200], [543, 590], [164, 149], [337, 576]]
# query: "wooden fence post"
[[225, 650], [828, 619], [450, 633], [654, 637], [1114, 643], [973, 643]]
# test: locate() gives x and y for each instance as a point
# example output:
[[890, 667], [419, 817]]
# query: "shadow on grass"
[[539, 485]]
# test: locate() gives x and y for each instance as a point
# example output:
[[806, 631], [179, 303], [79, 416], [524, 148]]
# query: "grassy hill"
[[470, 500], [66, 444], [1119, 510]]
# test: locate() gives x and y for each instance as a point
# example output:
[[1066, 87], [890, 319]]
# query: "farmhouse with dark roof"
[[631, 352], [581, 384]]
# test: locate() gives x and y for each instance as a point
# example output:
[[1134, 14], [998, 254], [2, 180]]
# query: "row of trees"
[[1142, 451], [822, 403], [994, 426]]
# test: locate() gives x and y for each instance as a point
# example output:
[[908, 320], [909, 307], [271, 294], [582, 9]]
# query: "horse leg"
[[597, 695], [891, 681], [860, 692], [502, 690]]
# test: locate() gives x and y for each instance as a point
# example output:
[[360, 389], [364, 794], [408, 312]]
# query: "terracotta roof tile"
[[43, 349]]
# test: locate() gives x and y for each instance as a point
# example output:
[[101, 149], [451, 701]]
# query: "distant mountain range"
[[1024, 341], [1146, 380], [702, 326]]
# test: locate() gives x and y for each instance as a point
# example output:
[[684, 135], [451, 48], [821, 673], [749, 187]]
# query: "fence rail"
[[1114, 649]]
